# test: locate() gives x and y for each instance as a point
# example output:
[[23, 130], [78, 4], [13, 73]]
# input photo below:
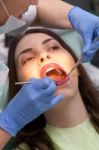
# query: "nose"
[[43, 58]]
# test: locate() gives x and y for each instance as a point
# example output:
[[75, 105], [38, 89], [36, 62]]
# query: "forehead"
[[32, 40]]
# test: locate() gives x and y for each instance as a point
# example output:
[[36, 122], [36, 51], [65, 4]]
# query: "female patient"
[[73, 124]]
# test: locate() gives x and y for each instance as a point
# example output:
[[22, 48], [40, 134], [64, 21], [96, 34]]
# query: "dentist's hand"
[[87, 25], [30, 102]]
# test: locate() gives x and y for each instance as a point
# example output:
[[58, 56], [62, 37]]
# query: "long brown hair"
[[33, 133]]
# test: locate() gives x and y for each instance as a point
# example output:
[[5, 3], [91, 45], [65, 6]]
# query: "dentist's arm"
[[54, 13]]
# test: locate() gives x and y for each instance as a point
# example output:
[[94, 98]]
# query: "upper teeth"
[[60, 72], [49, 69]]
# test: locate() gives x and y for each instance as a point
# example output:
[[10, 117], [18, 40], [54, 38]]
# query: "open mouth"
[[55, 72]]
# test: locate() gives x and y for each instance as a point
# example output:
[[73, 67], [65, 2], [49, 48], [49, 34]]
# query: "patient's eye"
[[27, 60], [53, 48]]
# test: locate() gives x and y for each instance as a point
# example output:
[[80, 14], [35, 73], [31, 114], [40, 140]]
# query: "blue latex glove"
[[31, 101], [87, 25]]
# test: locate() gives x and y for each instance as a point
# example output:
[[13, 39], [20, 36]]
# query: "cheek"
[[66, 61], [26, 73], [69, 90], [71, 86]]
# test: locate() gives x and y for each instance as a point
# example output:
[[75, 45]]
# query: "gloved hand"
[[30, 102], [87, 25]]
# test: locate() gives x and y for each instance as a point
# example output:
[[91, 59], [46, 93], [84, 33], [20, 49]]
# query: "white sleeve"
[[30, 15]]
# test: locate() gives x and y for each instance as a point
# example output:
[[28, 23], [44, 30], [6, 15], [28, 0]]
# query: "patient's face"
[[38, 55]]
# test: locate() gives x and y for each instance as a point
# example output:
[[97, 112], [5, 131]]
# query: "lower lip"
[[60, 82]]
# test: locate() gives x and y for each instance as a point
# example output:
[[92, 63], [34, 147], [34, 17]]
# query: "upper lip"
[[48, 67]]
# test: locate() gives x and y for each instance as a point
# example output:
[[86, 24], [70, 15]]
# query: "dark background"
[[85, 4], [89, 5]]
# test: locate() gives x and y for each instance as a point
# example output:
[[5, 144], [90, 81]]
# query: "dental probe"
[[25, 82], [75, 66], [20, 83]]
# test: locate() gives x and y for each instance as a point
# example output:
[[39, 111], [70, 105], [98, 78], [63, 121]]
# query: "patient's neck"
[[68, 115]]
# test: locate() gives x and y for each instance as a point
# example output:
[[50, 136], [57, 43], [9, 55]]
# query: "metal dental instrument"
[[75, 66], [24, 82], [20, 83]]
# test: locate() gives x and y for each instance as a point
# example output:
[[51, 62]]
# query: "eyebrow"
[[47, 40], [30, 49], [24, 51]]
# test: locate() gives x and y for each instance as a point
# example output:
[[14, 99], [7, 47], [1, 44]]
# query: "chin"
[[68, 91]]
